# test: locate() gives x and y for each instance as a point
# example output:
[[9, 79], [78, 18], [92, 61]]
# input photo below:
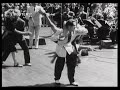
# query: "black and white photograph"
[[59, 44]]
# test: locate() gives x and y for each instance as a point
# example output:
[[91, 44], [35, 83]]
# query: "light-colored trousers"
[[35, 31]]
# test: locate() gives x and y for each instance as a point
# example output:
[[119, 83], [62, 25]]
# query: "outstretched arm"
[[22, 32], [52, 25]]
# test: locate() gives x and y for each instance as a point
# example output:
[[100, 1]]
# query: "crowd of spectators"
[[106, 11]]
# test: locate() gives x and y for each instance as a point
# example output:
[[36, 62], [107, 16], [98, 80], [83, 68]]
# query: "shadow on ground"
[[46, 85], [6, 66], [10, 66]]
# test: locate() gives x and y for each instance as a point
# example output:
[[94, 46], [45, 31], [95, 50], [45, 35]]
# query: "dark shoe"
[[30, 47], [27, 64], [18, 65], [74, 83]]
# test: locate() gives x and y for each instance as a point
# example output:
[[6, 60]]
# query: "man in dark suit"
[[74, 8], [67, 15], [82, 13]]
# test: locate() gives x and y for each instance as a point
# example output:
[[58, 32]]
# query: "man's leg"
[[113, 37], [24, 47], [31, 29], [37, 31]]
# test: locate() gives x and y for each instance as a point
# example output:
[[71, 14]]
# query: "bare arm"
[[52, 25], [22, 32]]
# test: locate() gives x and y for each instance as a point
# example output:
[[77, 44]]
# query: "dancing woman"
[[14, 27], [8, 39], [65, 49]]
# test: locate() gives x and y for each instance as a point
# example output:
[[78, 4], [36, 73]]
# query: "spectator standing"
[[34, 23], [67, 15], [82, 13], [57, 15], [74, 8]]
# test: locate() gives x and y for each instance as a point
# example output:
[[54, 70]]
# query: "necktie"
[[34, 8], [69, 37]]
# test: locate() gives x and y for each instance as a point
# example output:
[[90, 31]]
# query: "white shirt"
[[36, 16], [63, 47]]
